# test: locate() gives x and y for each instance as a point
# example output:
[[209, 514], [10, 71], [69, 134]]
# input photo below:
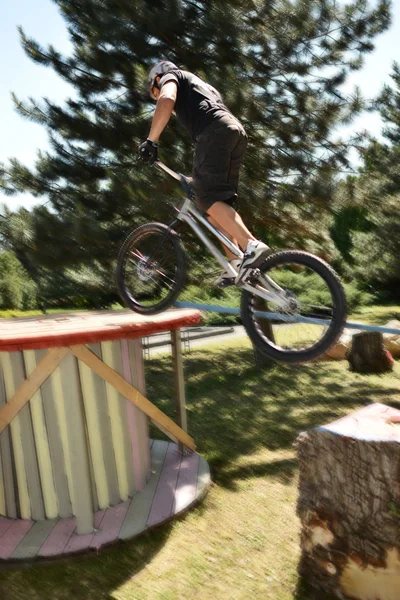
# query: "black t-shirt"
[[197, 103]]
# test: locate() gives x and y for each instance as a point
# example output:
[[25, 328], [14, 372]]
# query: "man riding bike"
[[220, 144]]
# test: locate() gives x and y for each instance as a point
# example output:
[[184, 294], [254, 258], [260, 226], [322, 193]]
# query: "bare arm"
[[165, 106]]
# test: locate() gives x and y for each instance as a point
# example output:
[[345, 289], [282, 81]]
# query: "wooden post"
[[180, 398], [349, 505]]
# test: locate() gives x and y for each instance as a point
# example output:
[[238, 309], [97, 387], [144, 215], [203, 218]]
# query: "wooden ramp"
[[177, 482]]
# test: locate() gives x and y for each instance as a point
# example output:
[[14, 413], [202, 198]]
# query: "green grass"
[[376, 315], [242, 541]]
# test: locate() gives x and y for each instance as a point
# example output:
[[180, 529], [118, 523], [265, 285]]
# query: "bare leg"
[[227, 218], [228, 253]]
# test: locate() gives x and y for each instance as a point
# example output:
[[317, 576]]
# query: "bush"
[[17, 290]]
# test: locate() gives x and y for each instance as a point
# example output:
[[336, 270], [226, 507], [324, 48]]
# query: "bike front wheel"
[[314, 313], [151, 269]]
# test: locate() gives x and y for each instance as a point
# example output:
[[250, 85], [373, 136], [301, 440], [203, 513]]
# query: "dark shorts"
[[219, 153]]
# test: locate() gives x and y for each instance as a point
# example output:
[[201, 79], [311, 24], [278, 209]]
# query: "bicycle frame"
[[189, 214]]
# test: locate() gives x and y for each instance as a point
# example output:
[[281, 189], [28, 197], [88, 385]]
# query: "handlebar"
[[185, 181], [160, 165]]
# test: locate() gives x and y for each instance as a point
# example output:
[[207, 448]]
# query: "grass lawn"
[[241, 543]]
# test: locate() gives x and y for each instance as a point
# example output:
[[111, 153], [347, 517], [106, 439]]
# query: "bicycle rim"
[[151, 269], [313, 318]]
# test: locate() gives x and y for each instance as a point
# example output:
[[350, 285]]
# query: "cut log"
[[368, 354], [349, 506], [392, 340]]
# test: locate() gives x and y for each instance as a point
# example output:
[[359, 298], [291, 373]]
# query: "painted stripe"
[[186, 486], [14, 535], [58, 538], [41, 442], [132, 418], [77, 447], [137, 516], [110, 351], [54, 417], [100, 401], [163, 501], [16, 437], [34, 539], [78, 543], [94, 434], [111, 525]]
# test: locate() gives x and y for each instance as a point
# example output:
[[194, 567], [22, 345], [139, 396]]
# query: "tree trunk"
[[368, 354], [349, 505], [260, 358]]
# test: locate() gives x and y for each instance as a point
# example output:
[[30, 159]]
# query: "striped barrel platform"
[[177, 482], [75, 459]]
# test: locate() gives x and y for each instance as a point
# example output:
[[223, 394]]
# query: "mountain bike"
[[293, 305]]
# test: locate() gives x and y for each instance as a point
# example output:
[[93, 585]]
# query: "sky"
[[42, 21]]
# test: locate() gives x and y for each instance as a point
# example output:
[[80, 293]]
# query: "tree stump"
[[349, 505], [261, 359], [368, 354]]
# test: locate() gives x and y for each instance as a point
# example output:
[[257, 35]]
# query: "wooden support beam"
[[30, 386], [180, 398], [128, 391]]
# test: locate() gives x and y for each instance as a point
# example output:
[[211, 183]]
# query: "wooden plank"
[[186, 486], [58, 538], [111, 525], [8, 505], [14, 535], [28, 444], [30, 385], [5, 525], [101, 404], [138, 513], [86, 356], [87, 327], [21, 489], [163, 502], [42, 444], [78, 456], [55, 418], [34, 539], [136, 419], [111, 352], [139, 382], [93, 433], [78, 543]]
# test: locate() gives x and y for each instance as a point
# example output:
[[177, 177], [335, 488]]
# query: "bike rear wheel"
[[316, 314], [151, 269]]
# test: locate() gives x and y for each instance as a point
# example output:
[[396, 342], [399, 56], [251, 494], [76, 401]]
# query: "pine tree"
[[279, 66], [377, 252]]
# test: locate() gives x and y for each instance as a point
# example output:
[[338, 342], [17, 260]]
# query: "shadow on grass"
[[86, 577], [236, 409]]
